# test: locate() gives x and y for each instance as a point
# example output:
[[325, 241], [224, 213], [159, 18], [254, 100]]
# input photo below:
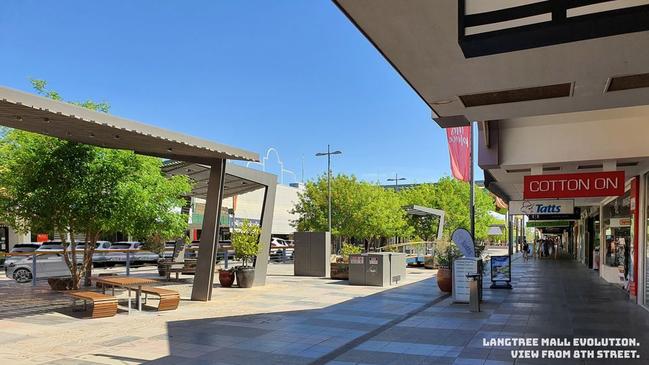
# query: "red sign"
[[594, 184], [458, 148], [42, 237]]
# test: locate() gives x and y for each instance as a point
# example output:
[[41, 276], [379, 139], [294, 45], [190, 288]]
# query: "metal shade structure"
[[58, 119], [237, 180], [36, 114], [421, 211]]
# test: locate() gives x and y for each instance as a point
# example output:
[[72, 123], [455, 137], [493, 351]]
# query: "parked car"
[[98, 258], [19, 248], [169, 249], [137, 258], [46, 266], [280, 249], [192, 251], [50, 246], [278, 243]]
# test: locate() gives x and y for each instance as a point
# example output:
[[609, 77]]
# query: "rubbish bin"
[[357, 269], [377, 269], [474, 295], [385, 268]]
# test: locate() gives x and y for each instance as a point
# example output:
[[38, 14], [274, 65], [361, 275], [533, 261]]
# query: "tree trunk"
[[70, 257], [91, 244]]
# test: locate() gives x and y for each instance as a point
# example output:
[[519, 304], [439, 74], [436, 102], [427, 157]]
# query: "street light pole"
[[328, 154], [396, 181], [396, 190]]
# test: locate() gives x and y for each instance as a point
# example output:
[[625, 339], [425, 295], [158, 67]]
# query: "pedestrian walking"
[[526, 251]]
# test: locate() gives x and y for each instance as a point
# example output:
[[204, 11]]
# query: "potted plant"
[[340, 268], [226, 277], [445, 262], [429, 262], [245, 242]]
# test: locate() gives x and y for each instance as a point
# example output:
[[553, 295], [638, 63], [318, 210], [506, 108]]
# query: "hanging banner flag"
[[459, 150]]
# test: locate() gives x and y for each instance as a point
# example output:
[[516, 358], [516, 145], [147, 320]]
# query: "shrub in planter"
[[444, 272], [429, 262], [60, 283], [340, 268], [226, 278], [245, 242]]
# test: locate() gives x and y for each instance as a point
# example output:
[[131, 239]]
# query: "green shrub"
[[245, 241], [446, 257], [349, 249]]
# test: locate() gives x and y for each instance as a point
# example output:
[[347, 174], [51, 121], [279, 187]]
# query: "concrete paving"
[[317, 321]]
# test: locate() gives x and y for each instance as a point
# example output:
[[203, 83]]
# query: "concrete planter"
[[60, 283], [245, 277], [445, 279], [339, 271]]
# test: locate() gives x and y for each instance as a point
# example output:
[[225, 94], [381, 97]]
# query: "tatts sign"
[[595, 184]]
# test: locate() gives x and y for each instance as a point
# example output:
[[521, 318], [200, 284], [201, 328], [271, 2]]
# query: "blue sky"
[[292, 75]]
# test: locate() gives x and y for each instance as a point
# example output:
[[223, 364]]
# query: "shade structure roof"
[[423, 211], [70, 122], [238, 179], [495, 230], [418, 210]]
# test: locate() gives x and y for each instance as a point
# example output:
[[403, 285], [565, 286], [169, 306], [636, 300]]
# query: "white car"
[[138, 257], [278, 243], [20, 248], [280, 250], [57, 246], [47, 266]]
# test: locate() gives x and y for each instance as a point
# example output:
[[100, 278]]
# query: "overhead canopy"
[[495, 230], [423, 211], [420, 211], [238, 179], [70, 122], [421, 39]]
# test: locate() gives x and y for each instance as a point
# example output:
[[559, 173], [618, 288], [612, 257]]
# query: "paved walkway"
[[416, 324], [316, 321]]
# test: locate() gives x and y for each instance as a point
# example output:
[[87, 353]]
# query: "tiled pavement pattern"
[[549, 299], [30, 336], [316, 321]]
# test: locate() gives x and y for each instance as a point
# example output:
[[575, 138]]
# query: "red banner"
[[459, 150], [594, 184]]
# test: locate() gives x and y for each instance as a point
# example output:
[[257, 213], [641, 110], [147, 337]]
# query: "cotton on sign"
[[595, 184]]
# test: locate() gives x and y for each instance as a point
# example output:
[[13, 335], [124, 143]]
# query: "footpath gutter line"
[[359, 340]]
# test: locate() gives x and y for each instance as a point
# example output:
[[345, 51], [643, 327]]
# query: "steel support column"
[[261, 262], [204, 278]]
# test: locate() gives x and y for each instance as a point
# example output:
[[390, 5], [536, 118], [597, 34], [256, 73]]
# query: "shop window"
[[617, 230]]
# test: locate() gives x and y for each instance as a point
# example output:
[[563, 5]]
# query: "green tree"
[[245, 242], [452, 196], [52, 185], [360, 210]]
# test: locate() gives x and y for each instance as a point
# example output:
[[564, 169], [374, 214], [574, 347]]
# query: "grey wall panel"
[[312, 254]]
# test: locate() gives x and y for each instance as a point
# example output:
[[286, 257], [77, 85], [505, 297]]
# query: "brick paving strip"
[[366, 337]]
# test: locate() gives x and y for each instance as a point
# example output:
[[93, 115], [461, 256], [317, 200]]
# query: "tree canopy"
[[360, 210], [366, 211], [63, 187]]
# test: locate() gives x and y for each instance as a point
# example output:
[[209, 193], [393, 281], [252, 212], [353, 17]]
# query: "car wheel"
[[22, 276]]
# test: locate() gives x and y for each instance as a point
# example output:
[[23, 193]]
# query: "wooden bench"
[[102, 305], [169, 299]]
